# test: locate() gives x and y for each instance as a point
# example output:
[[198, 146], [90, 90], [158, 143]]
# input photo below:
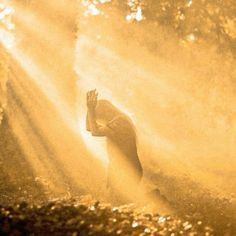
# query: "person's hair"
[[106, 110]]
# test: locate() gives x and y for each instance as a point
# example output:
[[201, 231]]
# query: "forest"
[[170, 66]]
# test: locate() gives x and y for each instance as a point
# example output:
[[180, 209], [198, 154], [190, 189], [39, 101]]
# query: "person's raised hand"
[[92, 99]]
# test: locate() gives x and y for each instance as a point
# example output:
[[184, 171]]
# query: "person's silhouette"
[[104, 119]]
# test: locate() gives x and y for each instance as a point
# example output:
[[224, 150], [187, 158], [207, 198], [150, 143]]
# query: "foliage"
[[82, 216], [211, 21]]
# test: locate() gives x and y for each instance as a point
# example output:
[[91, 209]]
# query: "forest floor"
[[86, 216], [83, 216]]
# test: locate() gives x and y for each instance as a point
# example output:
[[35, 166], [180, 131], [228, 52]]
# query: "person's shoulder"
[[122, 125], [119, 120]]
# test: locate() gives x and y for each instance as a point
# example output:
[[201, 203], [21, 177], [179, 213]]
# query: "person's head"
[[108, 114], [105, 111]]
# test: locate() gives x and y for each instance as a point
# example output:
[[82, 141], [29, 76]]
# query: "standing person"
[[124, 170]]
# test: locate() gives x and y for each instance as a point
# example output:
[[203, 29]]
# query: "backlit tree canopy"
[[211, 21]]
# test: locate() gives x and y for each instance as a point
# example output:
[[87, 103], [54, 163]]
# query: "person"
[[124, 169]]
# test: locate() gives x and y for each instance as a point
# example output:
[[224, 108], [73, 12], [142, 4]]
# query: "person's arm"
[[87, 123], [95, 128], [91, 123]]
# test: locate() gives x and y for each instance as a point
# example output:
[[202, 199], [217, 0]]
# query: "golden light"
[[190, 2], [139, 15], [178, 110], [191, 38], [120, 75], [96, 146], [6, 26], [44, 118]]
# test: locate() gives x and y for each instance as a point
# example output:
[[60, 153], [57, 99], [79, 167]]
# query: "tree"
[[211, 21]]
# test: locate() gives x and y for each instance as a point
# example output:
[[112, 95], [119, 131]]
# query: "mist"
[[181, 100], [180, 95]]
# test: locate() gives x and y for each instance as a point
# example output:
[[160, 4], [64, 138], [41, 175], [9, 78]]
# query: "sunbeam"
[[117, 110]]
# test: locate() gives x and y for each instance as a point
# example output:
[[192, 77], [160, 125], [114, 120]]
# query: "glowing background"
[[183, 112]]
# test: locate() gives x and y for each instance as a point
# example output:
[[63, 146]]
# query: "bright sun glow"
[[158, 92], [6, 26], [96, 146]]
